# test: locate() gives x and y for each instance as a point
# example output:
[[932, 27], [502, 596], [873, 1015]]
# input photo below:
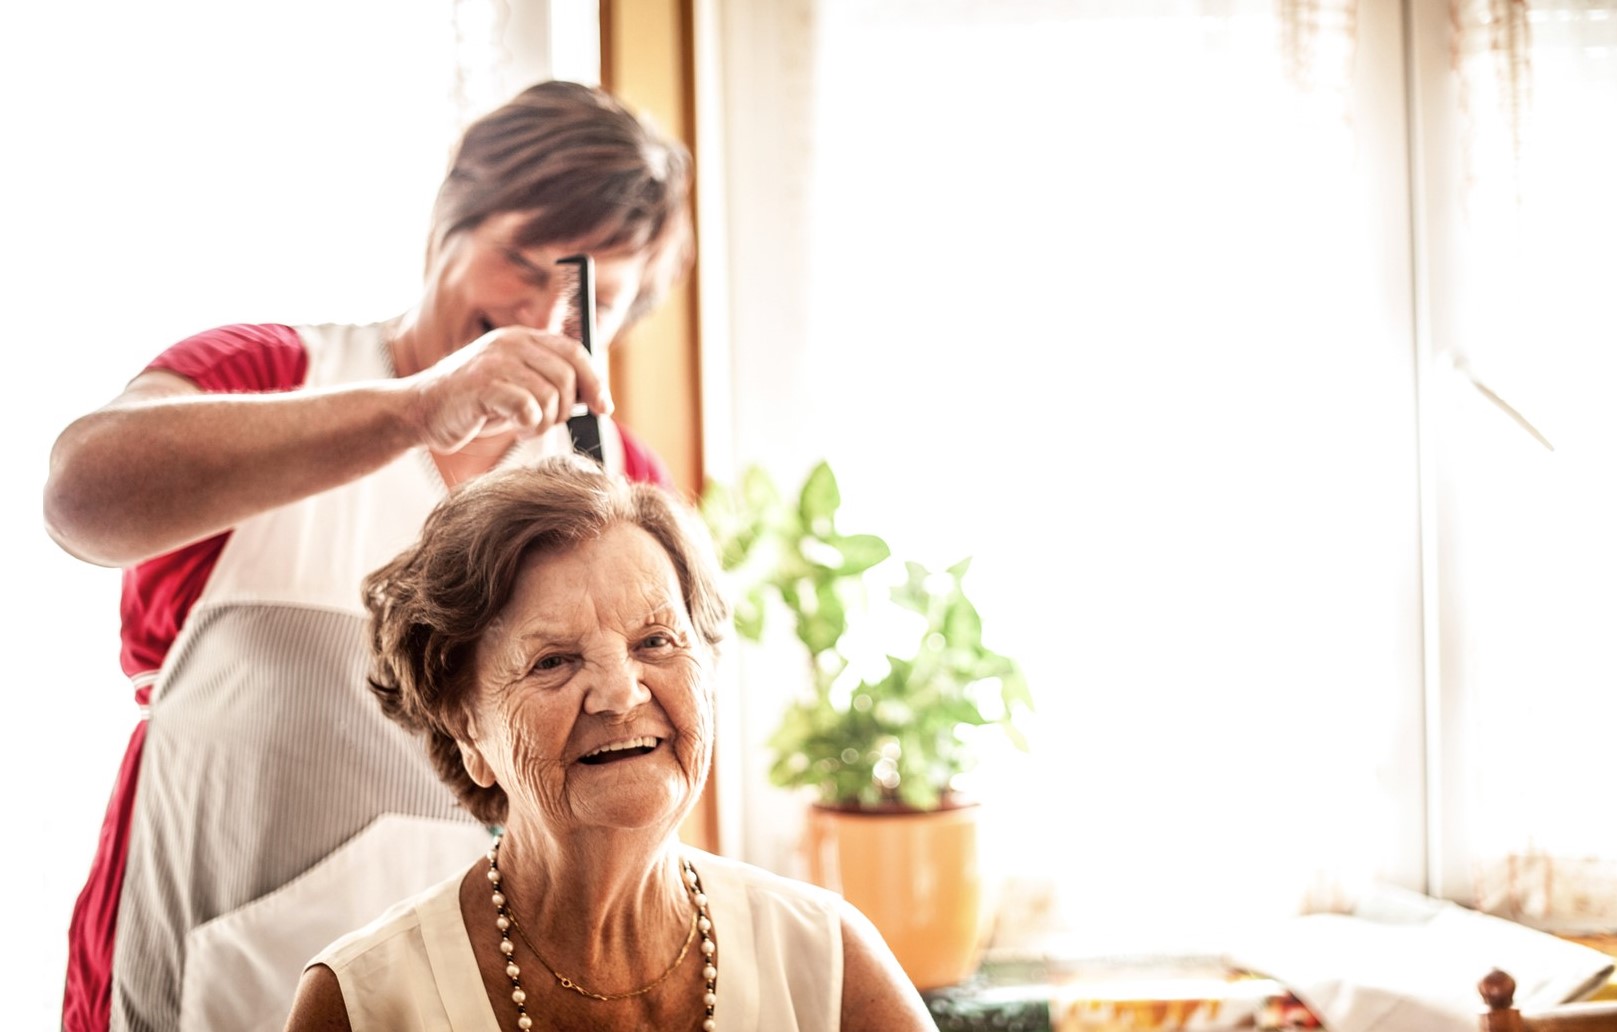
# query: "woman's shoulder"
[[780, 946], [717, 870], [411, 969], [256, 357], [396, 930], [751, 875], [268, 357]]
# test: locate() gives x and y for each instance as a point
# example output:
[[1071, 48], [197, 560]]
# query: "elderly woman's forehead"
[[623, 540]]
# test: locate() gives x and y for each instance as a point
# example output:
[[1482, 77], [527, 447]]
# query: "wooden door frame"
[[648, 60]]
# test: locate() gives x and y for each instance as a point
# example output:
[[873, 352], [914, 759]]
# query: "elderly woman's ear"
[[476, 767], [471, 757]]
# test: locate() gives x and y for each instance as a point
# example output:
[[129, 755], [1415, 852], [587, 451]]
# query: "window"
[[1120, 298]]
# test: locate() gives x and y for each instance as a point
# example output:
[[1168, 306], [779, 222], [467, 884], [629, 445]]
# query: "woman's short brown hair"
[[430, 606], [584, 168]]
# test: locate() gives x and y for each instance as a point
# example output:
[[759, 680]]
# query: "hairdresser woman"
[[552, 637], [248, 479]]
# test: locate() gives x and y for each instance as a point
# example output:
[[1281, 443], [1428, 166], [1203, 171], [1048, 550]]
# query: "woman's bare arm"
[[876, 994], [165, 464], [319, 1005]]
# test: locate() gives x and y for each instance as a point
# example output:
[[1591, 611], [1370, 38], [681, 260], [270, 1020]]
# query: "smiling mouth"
[[624, 750]]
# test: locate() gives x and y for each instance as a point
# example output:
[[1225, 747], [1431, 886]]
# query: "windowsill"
[[1029, 991], [1041, 994]]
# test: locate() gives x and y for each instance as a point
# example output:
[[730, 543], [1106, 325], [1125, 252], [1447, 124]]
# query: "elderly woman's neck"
[[594, 893]]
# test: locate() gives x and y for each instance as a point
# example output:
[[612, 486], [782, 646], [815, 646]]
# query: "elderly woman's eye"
[[657, 640], [550, 663]]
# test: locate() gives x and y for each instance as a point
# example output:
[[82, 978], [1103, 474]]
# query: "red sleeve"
[[158, 593], [239, 359], [641, 465]]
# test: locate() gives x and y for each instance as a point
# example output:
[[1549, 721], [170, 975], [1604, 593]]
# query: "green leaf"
[[900, 676], [820, 500], [962, 626], [1014, 691], [734, 550], [860, 552], [823, 556], [822, 629], [913, 594], [749, 614], [1015, 734], [750, 623], [790, 593], [758, 491], [963, 711], [988, 664]]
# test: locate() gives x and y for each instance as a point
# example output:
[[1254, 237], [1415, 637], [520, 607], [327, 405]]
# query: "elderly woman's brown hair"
[[430, 606], [585, 168]]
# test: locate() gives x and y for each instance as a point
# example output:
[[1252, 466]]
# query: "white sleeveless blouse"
[[780, 958]]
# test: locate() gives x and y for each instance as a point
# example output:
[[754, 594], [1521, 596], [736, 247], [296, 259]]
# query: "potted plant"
[[900, 689]]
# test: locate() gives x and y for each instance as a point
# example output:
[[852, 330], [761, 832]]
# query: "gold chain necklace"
[[505, 920], [568, 983]]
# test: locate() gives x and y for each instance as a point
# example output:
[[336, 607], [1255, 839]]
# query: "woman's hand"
[[510, 380]]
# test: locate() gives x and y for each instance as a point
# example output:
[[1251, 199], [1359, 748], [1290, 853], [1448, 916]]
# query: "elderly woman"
[[552, 635]]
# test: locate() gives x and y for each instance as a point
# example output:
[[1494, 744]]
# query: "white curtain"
[[1114, 296], [1529, 560]]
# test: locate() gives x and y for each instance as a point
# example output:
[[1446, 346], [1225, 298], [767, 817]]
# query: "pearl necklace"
[[505, 920]]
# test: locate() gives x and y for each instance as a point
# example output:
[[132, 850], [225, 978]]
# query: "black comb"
[[585, 426]]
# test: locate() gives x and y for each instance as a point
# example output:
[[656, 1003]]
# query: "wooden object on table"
[[1499, 990]]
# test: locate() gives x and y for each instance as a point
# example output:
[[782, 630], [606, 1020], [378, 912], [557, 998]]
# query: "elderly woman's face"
[[592, 705]]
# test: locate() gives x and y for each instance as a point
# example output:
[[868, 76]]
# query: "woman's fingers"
[[513, 379], [512, 408], [578, 368]]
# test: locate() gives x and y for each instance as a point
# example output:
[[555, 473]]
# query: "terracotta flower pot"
[[915, 875]]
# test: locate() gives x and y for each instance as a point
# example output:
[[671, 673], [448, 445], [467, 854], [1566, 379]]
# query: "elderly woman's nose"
[[615, 687]]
